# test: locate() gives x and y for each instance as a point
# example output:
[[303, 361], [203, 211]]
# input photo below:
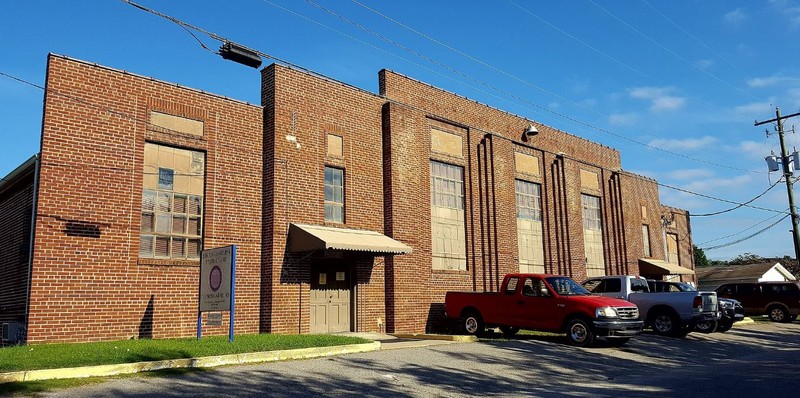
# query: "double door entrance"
[[330, 297]]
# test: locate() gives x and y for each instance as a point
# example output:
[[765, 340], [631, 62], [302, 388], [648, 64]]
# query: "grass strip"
[[54, 356]]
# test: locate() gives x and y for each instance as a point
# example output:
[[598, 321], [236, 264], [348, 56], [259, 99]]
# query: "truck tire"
[[580, 333], [509, 331], [710, 326], [472, 323], [724, 327], [666, 323], [777, 314]]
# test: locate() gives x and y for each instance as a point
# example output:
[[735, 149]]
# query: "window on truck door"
[[511, 286], [638, 285]]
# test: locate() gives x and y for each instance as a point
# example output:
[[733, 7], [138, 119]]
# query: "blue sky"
[[674, 86]]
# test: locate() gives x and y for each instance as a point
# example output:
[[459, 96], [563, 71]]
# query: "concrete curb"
[[446, 337], [203, 362]]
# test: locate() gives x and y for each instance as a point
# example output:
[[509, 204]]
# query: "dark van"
[[778, 300]]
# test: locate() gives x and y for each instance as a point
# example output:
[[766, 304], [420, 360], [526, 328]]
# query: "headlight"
[[605, 312], [725, 304]]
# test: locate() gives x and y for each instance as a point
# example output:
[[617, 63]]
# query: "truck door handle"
[[561, 305]]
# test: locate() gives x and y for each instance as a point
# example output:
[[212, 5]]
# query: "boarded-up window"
[[335, 146], [529, 227], [646, 240], [446, 143], [172, 203], [526, 164], [593, 236], [672, 249], [589, 180], [447, 217]]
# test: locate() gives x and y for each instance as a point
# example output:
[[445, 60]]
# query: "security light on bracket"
[[240, 54], [529, 132]]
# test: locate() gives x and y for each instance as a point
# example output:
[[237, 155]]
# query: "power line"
[[715, 77], [740, 205], [146, 122], [746, 237], [740, 232], [525, 100], [693, 37]]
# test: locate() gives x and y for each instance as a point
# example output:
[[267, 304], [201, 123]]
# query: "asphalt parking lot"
[[757, 360]]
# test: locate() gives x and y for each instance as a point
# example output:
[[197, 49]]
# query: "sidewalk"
[[380, 342]]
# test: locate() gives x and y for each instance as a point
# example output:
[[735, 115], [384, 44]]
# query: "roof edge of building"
[[495, 108], [150, 78]]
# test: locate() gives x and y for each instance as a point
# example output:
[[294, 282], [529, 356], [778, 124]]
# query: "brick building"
[[351, 211]]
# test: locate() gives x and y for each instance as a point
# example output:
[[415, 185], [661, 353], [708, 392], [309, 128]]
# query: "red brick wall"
[[681, 227], [491, 137], [87, 281], [309, 108], [16, 201]]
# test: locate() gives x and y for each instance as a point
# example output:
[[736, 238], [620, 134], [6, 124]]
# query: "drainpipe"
[[36, 167]]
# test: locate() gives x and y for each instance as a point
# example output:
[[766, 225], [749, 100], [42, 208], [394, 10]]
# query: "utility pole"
[[787, 174]]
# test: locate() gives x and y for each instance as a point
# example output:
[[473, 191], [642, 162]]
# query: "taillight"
[[698, 302]]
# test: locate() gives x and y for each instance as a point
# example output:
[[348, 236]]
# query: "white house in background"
[[709, 278]]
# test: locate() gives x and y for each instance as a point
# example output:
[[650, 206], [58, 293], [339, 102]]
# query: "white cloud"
[[735, 17], [713, 184], [689, 174], [759, 82], [687, 144], [660, 98], [622, 119], [668, 103], [705, 63]]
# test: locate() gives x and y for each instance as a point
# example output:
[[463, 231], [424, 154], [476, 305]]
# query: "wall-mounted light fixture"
[[529, 132], [243, 55]]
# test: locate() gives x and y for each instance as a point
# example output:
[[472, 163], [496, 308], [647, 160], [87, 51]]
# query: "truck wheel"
[[778, 314], [665, 323], [579, 333], [472, 323], [724, 327], [509, 331], [707, 326]]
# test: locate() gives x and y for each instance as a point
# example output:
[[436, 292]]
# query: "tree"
[[700, 259], [747, 258]]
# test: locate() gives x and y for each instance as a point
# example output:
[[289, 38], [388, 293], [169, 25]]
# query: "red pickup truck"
[[549, 303]]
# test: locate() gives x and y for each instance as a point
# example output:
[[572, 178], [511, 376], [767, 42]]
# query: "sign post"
[[217, 284]]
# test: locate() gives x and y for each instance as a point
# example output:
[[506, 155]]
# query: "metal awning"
[[659, 267], [305, 237]]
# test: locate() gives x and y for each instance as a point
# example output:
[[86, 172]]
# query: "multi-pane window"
[[646, 240], [593, 236], [172, 203], [447, 217], [529, 227], [334, 195]]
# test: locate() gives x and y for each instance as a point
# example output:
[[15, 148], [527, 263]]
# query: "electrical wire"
[[521, 80], [740, 232], [739, 205], [141, 120], [715, 77], [746, 237]]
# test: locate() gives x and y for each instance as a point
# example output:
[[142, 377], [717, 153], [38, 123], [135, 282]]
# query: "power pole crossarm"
[[787, 174]]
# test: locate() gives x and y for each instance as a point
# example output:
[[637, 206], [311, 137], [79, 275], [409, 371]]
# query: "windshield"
[[566, 287]]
